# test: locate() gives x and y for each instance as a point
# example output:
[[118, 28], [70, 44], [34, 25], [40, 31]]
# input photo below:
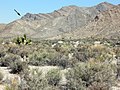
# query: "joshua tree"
[[23, 40]]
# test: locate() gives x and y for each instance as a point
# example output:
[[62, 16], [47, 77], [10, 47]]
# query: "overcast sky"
[[7, 7]]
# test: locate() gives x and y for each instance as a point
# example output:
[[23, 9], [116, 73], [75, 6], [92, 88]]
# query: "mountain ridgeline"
[[102, 21]]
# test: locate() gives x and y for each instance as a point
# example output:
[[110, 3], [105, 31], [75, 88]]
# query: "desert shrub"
[[23, 52], [81, 56], [13, 62], [9, 59], [42, 57], [58, 47], [117, 51], [100, 52], [98, 86], [26, 50], [1, 76], [72, 62], [9, 87], [49, 57], [85, 52], [63, 62], [2, 54], [53, 77], [81, 53], [34, 80], [14, 49], [87, 75], [60, 60], [17, 66], [3, 47], [38, 58], [3, 50]]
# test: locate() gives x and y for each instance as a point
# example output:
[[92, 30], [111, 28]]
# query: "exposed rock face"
[[105, 25], [101, 20]]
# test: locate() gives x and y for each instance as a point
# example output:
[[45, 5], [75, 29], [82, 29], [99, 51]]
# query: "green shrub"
[[42, 57], [60, 60], [13, 62], [34, 80], [17, 66], [6, 61], [88, 75], [53, 77], [38, 58]]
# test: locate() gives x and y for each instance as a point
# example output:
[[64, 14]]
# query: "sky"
[[7, 13]]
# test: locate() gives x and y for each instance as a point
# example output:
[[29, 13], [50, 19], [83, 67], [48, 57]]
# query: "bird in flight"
[[17, 12]]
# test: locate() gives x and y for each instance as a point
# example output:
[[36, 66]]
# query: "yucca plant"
[[23, 40]]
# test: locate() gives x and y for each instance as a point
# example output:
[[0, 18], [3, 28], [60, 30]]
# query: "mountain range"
[[100, 21]]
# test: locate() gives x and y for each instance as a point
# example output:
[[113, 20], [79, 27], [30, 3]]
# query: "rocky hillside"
[[105, 25], [2, 26], [102, 20]]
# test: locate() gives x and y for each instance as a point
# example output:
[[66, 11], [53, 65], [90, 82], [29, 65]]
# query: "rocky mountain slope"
[[105, 25], [2, 26], [102, 20]]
